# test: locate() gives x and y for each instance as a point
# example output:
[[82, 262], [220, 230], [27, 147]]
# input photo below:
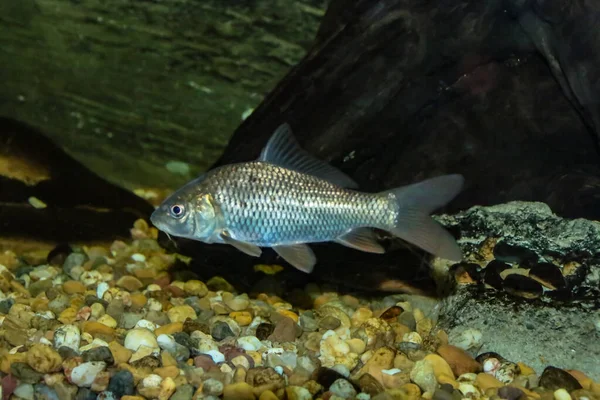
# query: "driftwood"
[[126, 86], [393, 92], [48, 198]]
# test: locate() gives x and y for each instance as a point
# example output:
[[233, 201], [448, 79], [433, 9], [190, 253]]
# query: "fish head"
[[188, 214]]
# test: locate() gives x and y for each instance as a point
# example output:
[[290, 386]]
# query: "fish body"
[[287, 199]]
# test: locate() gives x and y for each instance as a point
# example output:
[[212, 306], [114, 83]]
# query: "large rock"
[[560, 327]]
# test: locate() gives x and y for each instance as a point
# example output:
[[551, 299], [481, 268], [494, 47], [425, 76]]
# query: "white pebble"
[[153, 287], [216, 355], [152, 381], [89, 278], [154, 305], [363, 396], [45, 341], [412, 337], [467, 339], [84, 374], [24, 391], [95, 343], [469, 390], [249, 343], [342, 369], [102, 288], [144, 323], [343, 389], [166, 342], [279, 369], [138, 257], [213, 387], [140, 337], [67, 335], [562, 394], [46, 314]]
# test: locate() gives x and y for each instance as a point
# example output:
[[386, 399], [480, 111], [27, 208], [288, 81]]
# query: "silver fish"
[[288, 198]]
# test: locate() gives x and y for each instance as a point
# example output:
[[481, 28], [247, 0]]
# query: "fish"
[[287, 199]]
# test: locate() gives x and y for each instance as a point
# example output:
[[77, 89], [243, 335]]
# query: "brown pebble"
[[167, 372], [96, 328], [169, 329], [130, 283], [285, 331], [459, 360], [72, 287]]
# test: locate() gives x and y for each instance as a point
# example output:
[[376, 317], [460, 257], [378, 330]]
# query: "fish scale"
[[270, 205]]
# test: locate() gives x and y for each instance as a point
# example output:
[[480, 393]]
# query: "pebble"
[[68, 336], [295, 393], [44, 359], [249, 343], [100, 353], [140, 337], [181, 313], [84, 374], [238, 391], [24, 391], [343, 389], [122, 384], [459, 360], [212, 387]]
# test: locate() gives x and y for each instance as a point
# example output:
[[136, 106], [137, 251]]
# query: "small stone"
[[459, 360], [249, 343], [510, 393], [183, 392], [269, 395], [238, 391], [195, 288], [140, 337], [423, 375], [44, 359], [73, 287], [97, 329], [181, 313], [243, 318], [487, 381], [25, 373], [167, 372], [329, 322], [120, 354], [122, 384], [84, 374], [130, 283], [285, 331], [553, 378], [24, 391], [212, 387], [101, 353], [263, 330], [67, 335], [108, 321], [356, 345], [343, 389], [440, 366], [221, 330], [238, 303], [561, 394], [169, 329]]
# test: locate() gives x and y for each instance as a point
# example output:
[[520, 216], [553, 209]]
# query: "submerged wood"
[[47, 196]]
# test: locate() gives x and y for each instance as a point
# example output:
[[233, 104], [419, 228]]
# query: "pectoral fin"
[[283, 150], [298, 255], [361, 239], [247, 248]]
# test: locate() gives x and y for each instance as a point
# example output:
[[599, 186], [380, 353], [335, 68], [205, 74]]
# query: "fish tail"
[[414, 203]]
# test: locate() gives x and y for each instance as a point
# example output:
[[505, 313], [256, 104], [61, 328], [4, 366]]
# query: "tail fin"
[[413, 223]]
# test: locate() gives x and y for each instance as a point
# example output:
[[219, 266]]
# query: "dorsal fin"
[[283, 150]]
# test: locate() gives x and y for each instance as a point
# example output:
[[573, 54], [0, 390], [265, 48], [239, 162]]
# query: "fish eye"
[[177, 211]]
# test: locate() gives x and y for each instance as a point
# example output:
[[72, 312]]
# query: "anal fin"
[[361, 239], [299, 256]]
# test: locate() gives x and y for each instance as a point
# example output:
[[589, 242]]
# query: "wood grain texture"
[[126, 86]]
